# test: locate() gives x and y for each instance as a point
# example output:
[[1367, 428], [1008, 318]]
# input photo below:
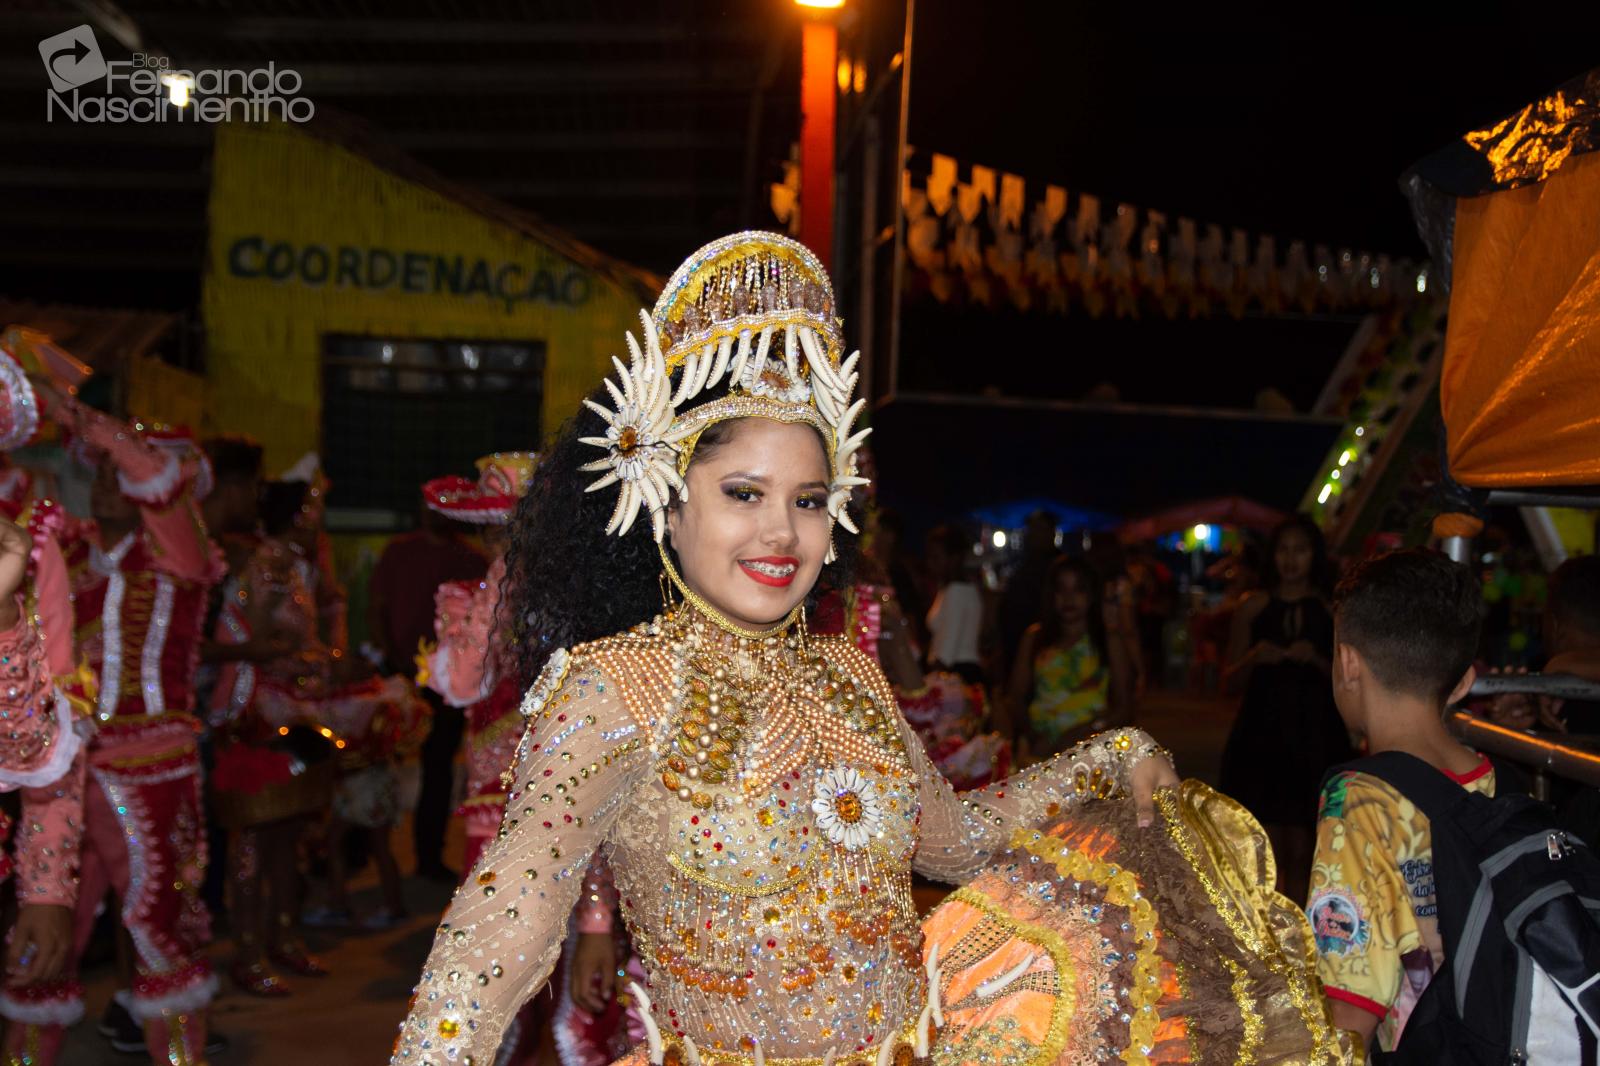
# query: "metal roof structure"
[[640, 127]]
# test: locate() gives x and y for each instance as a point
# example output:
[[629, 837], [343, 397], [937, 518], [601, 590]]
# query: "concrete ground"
[[351, 1016]]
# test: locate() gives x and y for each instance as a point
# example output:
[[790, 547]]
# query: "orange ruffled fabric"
[[1093, 940]]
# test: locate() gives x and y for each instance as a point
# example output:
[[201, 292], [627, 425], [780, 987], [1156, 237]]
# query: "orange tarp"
[[1520, 389]]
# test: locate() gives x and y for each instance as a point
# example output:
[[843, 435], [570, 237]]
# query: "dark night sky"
[[1301, 132]]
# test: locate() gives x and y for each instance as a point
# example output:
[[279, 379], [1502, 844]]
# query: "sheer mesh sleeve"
[[582, 756], [962, 831]]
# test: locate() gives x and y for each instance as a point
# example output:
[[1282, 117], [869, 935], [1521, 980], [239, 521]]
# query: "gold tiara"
[[757, 309]]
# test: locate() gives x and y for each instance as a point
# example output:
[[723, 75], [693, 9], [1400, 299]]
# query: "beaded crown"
[[757, 310]]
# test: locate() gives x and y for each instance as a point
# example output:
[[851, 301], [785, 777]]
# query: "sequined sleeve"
[[581, 758], [962, 831], [159, 483]]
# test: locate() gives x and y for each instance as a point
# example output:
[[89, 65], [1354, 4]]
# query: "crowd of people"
[[711, 755]]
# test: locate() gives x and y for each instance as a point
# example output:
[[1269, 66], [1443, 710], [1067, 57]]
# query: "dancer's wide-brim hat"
[[503, 478]]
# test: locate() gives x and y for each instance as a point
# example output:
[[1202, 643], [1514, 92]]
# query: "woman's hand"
[[39, 942], [593, 959], [1150, 773], [15, 546]]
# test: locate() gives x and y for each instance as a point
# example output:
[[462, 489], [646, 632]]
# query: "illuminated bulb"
[[178, 88], [1327, 490], [1422, 281], [1336, 475], [999, 538], [1346, 457], [1202, 532], [844, 74], [1361, 431]]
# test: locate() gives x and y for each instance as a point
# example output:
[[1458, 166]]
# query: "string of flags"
[[977, 235]]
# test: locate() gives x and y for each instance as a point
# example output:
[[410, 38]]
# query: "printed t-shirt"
[[1372, 905]]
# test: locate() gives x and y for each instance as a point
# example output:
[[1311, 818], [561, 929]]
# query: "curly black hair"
[[567, 581]]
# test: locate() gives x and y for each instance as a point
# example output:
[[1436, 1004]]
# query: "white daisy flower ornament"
[[847, 808]]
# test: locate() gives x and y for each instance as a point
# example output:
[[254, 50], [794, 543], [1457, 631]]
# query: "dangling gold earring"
[[666, 593]]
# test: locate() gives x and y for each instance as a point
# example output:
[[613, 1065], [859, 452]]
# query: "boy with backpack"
[[1442, 915]]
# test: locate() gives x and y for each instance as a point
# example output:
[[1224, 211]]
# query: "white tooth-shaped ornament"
[[753, 367], [741, 358], [707, 358], [724, 353], [827, 1060], [635, 502], [848, 366], [817, 360], [669, 474], [932, 969], [1000, 984], [686, 381], [624, 378], [791, 354], [691, 1054], [620, 509], [652, 500], [823, 395], [885, 1051], [652, 1033], [760, 1056], [609, 479], [616, 393], [648, 328], [841, 513], [609, 416], [919, 1039]]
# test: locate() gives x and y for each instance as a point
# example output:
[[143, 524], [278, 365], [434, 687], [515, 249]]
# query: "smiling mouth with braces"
[[768, 568]]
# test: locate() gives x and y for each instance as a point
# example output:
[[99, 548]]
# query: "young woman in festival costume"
[[41, 754], [1074, 674], [761, 801], [139, 576], [471, 664]]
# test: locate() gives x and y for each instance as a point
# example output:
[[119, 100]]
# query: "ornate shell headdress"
[[754, 308]]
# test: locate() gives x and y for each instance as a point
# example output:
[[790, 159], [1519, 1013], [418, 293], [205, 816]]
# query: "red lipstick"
[[777, 571]]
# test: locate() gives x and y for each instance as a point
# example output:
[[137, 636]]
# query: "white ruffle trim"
[[439, 680], [62, 753], [194, 997], [159, 487], [24, 406], [42, 1012]]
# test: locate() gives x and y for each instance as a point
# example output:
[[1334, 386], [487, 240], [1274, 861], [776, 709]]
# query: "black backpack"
[[1519, 915]]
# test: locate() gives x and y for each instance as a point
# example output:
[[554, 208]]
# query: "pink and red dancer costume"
[[138, 610]]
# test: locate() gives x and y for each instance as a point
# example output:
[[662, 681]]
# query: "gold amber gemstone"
[[486, 878], [449, 1028], [847, 805]]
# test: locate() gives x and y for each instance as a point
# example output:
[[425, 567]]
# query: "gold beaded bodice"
[[763, 806]]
